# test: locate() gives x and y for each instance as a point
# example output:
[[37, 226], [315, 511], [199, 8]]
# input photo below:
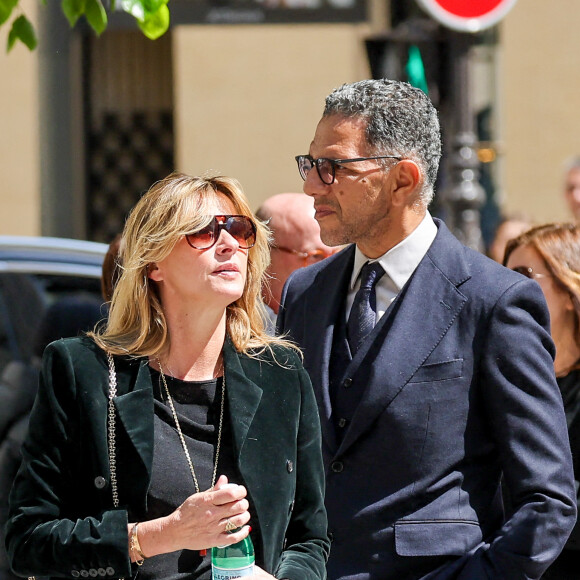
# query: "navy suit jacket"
[[457, 389]]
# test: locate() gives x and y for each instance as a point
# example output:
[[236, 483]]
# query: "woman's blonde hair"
[[175, 206], [559, 246]]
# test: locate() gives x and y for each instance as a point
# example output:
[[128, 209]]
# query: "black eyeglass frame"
[[334, 163], [224, 222]]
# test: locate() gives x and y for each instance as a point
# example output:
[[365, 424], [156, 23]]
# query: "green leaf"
[[96, 15], [152, 6], [22, 30], [73, 10], [156, 25], [6, 7], [135, 8]]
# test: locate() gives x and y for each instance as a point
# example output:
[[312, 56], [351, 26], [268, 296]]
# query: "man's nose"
[[313, 185]]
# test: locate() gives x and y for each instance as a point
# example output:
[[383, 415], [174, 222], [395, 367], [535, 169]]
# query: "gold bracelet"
[[135, 547]]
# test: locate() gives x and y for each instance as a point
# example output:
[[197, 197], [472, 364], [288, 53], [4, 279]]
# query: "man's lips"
[[323, 211]]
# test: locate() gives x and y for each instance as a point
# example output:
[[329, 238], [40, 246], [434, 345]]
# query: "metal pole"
[[464, 195]]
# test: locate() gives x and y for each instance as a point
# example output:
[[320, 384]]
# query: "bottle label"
[[231, 573]]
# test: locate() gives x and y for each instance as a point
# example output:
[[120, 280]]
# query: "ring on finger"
[[230, 527]]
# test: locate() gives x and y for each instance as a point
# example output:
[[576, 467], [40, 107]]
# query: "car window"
[[24, 299]]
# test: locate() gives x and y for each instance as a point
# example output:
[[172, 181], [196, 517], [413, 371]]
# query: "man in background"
[[296, 243], [572, 185]]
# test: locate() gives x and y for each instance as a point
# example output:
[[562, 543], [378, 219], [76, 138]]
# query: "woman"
[[550, 254], [199, 396]]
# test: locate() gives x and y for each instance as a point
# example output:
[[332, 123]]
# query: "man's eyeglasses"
[[240, 227], [307, 257], [326, 168], [529, 272]]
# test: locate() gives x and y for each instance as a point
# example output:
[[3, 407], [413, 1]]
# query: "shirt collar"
[[400, 261]]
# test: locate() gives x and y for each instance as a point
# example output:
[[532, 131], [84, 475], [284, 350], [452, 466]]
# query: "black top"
[[566, 566], [197, 404]]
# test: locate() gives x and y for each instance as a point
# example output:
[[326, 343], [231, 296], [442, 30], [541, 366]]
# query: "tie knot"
[[370, 274]]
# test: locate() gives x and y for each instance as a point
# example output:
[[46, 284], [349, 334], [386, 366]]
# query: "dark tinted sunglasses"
[[240, 227]]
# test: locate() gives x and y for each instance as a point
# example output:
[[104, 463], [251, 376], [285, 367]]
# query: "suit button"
[[85, 573], [93, 573], [110, 571], [75, 573], [342, 422], [102, 572], [331, 536], [100, 482], [347, 383], [289, 466], [337, 466]]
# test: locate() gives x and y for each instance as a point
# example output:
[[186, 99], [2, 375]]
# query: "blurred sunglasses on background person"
[[307, 258], [529, 272]]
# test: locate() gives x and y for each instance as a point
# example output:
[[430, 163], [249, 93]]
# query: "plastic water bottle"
[[235, 561]]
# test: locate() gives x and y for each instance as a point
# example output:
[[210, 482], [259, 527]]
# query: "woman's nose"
[[227, 243]]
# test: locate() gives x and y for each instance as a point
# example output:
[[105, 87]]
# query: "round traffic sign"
[[467, 15]]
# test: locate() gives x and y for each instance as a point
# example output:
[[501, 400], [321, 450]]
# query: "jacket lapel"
[[134, 407], [429, 304], [327, 307], [243, 396]]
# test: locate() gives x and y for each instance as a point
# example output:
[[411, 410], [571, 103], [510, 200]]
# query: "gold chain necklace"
[[180, 433]]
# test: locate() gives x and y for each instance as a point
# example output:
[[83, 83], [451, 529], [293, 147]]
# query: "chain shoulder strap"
[[111, 433], [111, 429]]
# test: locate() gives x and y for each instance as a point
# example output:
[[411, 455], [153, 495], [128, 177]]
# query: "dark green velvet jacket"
[[62, 521]]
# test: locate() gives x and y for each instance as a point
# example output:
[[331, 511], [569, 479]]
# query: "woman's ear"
[[407, 182], [154, 273]]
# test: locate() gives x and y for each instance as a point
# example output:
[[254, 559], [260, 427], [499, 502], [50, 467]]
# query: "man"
[[296, 242], [572, 186], [452, 387]]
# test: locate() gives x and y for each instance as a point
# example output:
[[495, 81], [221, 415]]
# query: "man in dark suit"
[[432, 365]]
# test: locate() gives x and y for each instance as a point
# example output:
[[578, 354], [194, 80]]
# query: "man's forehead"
[[340, 134]]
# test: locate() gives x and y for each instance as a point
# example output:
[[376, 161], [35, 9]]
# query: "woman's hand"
[[199, 522]]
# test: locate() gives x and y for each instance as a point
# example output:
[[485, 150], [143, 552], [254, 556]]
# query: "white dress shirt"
[[399, 264]]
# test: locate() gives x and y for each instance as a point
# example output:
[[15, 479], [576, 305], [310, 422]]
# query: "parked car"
[[34, 273]]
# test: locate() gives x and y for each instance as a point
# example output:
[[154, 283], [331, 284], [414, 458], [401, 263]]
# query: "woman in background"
[[550, 254]]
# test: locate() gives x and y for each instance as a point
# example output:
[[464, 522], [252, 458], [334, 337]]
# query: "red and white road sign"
[[467, 15]]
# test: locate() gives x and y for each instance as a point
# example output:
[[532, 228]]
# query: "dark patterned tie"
[[364, 308]]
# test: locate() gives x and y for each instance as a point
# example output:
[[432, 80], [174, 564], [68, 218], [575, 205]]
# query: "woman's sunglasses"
[[240, 227]]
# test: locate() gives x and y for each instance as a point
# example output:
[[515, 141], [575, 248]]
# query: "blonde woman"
[[138, 426]]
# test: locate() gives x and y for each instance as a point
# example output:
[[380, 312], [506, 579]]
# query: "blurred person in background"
[[134, 431], [509, 227], [111, 268], [69, 316], [296, 243], [572, 185], [550, 254]]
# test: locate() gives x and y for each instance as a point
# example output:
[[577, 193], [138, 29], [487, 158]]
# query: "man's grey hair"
[[401, 120]]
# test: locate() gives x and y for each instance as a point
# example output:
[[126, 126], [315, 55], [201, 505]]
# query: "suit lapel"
[[326, 305], [429, 304]]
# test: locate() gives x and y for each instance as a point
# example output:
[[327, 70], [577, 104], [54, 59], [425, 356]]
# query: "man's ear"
[[407, 180], [154, 273]]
